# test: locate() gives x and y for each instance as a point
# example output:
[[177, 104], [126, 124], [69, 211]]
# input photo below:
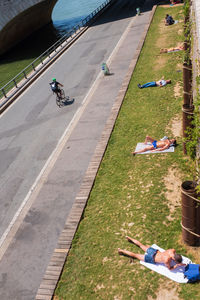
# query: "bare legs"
[[137, 243], [143, 150], [150, 147], [132, 254]]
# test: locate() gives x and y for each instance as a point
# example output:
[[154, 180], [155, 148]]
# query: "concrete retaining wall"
[[196, 65], [196, 7], [20, 18]]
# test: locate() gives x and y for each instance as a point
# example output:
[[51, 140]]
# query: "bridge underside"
[[25, 23]]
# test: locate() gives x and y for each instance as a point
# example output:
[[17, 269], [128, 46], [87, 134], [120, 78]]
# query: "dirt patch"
[[177, 90], [179, 66], [105, 259], [160, 62], [117, 298], [167, 291], [173, 183], [161, 41], [194, 251], [175, 126], [99, 287], [165, 294], [180, 31]]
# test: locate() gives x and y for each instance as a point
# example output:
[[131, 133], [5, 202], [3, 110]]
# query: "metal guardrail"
[[16, 83]]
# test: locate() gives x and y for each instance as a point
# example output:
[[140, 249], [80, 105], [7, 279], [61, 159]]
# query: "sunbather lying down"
[[159, 83], [153, 256], [173, 49], [165, 262], [156, 145]]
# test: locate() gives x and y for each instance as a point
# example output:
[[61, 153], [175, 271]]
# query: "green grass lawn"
[[137, 196]]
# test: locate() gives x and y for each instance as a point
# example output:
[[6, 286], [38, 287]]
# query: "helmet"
[[53, 79]]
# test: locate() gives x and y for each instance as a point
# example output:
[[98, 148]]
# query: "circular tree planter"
[[190, 214], [187, 77]]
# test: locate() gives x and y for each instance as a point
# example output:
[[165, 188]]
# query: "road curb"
[[57, 261]]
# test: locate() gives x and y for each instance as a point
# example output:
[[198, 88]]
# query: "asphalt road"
[[45, 150]]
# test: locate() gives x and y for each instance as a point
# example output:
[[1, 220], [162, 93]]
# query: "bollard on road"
[[105, 69]]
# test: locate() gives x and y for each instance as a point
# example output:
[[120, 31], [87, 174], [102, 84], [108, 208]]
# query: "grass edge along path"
[[135, 195]]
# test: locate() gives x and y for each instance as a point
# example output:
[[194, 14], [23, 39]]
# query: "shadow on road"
[[68, 102]]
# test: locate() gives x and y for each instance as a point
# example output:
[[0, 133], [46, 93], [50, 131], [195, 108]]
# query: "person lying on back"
[[156, 145], [159, 83], [173, 49]]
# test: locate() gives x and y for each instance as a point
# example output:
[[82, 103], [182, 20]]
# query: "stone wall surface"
[[196, 5], [196, 41], [10, 9], [20, 18], [196, 65]]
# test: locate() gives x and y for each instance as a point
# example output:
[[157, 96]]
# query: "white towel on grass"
[[141, 146], [175, 275]]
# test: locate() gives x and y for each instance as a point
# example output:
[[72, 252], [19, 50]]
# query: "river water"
[[68, 13]]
